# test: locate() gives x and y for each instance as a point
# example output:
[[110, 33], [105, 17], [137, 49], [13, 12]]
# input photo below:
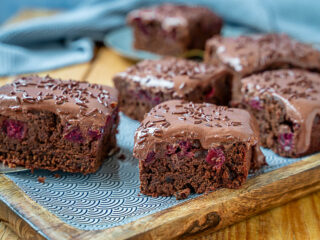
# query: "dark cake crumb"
[[41, 179], [122, 157], [183, 194]]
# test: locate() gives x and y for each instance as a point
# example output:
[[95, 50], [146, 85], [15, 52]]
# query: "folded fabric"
[[68, 38]]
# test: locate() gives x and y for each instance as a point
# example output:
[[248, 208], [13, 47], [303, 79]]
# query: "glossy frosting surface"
[[249, 54], [209, 123], [298, 90], [167, 74], [74, 102]]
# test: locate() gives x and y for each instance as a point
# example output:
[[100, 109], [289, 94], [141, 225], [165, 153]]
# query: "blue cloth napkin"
[[68, 38]]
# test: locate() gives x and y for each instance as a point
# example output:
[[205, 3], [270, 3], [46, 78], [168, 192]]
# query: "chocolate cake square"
[[186, 147], [286, 104], [173, 29], [246, 55], [151, 82], [52, 124]]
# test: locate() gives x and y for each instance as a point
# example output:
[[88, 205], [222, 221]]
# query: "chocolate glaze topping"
[[299, 90], [249, 54], [171, 16], [209, 123], [170, 73], [72, 101]]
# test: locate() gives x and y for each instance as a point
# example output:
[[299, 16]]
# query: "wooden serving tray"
[[215, 210]]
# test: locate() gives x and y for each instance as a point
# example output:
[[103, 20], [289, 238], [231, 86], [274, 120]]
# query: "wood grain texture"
[[273, 224], [105, 65], [19, 226], [278, 223], [6, 233]]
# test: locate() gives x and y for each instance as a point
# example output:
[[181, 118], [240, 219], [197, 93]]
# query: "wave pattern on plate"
[[109, 197]]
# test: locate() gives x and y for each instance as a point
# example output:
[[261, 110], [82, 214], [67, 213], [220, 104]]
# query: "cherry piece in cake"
[[186, 147], [52, 124], [287, 105]]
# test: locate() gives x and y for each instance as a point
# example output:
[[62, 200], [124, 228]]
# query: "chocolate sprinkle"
[[59, 93], [236, 123]]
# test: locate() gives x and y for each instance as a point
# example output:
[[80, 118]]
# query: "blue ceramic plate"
[[121, 41]]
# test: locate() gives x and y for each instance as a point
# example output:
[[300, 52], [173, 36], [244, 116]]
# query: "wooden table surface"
[[299, 219]]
